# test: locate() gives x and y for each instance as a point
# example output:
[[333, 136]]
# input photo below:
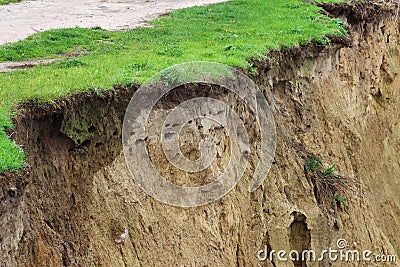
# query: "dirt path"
[[19, 20], [22, 65]]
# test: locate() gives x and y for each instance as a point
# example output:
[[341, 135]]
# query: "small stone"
[[122, 239]]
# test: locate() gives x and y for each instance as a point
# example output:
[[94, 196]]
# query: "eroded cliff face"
[[338, 102]]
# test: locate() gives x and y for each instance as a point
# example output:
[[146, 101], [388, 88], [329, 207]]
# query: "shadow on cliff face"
[[300, 237]]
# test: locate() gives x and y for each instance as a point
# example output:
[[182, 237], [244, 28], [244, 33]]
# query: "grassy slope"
[[228, 33]]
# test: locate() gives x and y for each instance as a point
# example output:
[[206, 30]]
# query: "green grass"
[[11, 157], [229, 33], [50, 44], [5, 2]]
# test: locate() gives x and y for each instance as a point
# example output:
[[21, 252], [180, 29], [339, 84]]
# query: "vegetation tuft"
[[330, 189]]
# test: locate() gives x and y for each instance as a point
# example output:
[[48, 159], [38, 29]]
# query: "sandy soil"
[[19, 20]]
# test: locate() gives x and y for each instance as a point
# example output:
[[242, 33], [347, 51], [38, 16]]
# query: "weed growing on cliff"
[[229, 33], [11, 157], [338, 200], [329, 188]]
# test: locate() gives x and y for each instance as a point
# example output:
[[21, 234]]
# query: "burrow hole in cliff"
[[299, 237]]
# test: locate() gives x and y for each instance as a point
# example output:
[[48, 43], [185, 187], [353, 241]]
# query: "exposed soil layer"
[[340, 102]]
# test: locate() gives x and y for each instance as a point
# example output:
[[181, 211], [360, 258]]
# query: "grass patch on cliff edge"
[[11, 157], [230, 33]]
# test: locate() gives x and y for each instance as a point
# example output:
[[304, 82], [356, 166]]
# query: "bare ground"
[[21, 65]]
